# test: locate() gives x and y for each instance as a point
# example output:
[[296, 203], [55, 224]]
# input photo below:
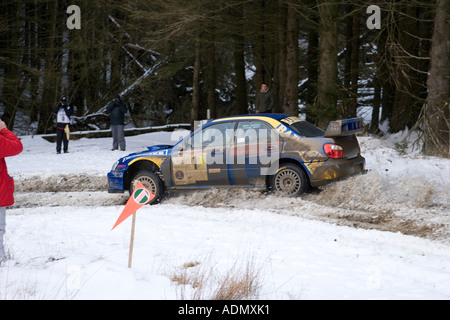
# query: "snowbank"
[[379, 236]]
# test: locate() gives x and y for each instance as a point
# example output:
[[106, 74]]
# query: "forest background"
[[180, 61]]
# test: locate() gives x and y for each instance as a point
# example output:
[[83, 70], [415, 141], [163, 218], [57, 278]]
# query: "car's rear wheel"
[[151, 181], [289, 180]]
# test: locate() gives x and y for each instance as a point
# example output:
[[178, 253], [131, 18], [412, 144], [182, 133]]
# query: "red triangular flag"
[[140, 197]]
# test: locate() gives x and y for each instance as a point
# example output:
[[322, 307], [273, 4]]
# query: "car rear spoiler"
[[345, 127]]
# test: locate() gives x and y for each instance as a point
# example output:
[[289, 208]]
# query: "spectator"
[[63, 113], [265, 100], [117, 110], [10, 146]]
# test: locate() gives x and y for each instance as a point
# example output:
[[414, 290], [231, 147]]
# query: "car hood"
[[159, 147], [160, 150]]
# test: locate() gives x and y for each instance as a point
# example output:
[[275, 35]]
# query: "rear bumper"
[[336, 169]]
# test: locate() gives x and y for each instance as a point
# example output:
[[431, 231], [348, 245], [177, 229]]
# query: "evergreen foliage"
[[174, 60]]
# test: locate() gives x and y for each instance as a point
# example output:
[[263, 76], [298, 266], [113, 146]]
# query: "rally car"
[[275, 151]]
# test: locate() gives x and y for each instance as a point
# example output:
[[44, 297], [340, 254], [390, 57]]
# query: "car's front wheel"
[[151, 181], [289, 180]]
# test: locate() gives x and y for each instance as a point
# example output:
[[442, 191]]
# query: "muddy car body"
[[275, 151]]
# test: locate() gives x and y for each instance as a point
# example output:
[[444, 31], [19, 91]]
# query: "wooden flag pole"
[[140, 197], [133, 224]]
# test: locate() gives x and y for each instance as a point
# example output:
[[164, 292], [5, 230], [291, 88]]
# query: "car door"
[[201, 159], [256, 148]]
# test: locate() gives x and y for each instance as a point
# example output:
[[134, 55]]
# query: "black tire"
[[290, 180], [151, 181]]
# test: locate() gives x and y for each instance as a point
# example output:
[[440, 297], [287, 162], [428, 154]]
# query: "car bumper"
[[115, 182], [336, 169]]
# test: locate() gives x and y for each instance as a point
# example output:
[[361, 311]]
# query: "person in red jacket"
[[10, 146]]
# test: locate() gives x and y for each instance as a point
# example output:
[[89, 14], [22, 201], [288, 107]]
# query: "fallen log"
[[128, 132]]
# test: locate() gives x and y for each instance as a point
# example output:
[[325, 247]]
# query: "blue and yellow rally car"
[[275, 151]]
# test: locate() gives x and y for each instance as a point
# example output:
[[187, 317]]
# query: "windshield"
[[303, 128]]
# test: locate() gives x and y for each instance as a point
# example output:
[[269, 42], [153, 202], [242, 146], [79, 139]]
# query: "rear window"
[[303, 128]]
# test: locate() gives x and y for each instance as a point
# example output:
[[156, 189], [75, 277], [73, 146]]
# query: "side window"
[[216, 135], [252, 132]]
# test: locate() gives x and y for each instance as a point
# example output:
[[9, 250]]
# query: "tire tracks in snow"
[[411, 206]]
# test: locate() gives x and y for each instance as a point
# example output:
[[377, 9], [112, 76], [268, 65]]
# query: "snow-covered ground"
[[384, 235]]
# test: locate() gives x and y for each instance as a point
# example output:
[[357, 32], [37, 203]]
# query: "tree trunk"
[[376, 106], [265, 43], [281, 57], [436, 130], [387, 88], [211, 72], [239, 63], [11, 88], [290, 105], [354, 74], [328, 50], [52, 84], [406, 87], [196, 86], [312, 71], [347, 83]]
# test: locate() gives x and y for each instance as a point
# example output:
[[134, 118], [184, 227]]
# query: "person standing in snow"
[[10, 146], [265, 100], [117, 110], [63, 113]]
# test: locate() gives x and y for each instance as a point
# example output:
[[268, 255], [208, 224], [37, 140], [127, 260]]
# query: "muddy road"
[[410, 206]]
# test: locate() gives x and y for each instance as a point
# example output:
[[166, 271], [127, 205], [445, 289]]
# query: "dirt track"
[[410, 206]]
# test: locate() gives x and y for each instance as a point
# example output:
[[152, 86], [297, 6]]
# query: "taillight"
[[334, 151]]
